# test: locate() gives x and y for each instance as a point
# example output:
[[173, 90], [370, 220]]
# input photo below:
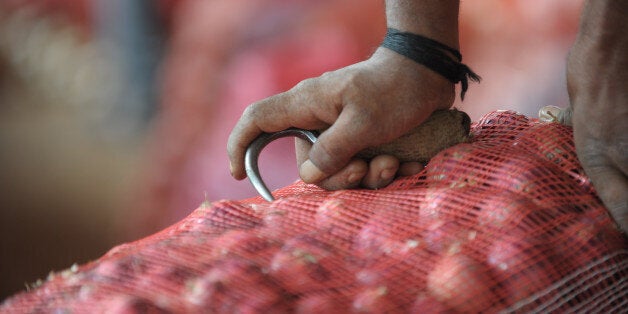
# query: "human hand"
[[359, 106], [596, 79]]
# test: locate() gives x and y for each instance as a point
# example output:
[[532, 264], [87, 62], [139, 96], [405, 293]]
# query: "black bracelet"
[[431, 54]]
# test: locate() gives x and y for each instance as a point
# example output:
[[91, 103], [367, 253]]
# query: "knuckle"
[[351, 82], [259, 110], [251, 111], [304, 85], [327, 75]]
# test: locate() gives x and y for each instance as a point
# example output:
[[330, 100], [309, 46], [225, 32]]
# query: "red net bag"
[[505, 223]]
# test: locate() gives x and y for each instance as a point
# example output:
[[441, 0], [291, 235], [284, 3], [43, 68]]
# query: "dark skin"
[[388, 91], [380, 99], [597, 82]]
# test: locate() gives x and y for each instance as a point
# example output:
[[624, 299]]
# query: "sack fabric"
[[506, 222]]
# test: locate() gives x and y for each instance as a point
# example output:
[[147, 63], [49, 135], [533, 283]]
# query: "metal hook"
[[255, 148]]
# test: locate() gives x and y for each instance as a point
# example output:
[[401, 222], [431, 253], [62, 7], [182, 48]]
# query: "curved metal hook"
[[255, 148]]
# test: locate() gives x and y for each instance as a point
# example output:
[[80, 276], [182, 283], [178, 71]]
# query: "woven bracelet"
[[431, 54]]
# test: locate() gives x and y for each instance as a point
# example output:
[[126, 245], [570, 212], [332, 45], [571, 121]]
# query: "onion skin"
[[318, 303], [305, 264], [588, 239], [522, 267], [426, 304], [461, 283], [235, 286], [373, 300]]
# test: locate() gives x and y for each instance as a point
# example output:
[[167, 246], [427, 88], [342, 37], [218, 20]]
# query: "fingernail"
[[354, 177], [310, 173], [387, 174], [231, 168]]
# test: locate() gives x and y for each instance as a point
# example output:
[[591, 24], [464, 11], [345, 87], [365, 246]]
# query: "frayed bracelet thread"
[[431, 54]]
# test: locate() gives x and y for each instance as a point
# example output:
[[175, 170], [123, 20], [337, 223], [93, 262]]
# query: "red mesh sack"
[[507, 222]]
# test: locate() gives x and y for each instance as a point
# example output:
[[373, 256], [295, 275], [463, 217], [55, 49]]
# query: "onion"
[[374, 300], [388, 233], [234, 285], [461, 284], [522, 267], [321, 303], [590, 239], [305, 264], [341, 221], [243, 243], [427, 304]]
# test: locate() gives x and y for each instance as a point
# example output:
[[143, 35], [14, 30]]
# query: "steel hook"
[[255, 148]]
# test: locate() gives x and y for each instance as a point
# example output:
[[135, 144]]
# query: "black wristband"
[[431, 54]]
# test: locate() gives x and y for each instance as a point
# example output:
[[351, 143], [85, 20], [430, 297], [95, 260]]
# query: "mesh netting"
[[507, 222]]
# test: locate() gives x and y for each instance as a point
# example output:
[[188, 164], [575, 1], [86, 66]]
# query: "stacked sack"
[[506, 222]]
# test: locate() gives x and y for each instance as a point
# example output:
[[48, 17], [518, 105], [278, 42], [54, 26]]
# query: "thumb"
[[336, 146]]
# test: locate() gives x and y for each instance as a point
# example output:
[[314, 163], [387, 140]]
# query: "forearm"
[[596, 78], [602, 47], [602, 37], [604, 20], [435, 19]]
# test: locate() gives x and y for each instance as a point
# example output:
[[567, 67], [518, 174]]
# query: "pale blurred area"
[[76, 97], [114, 114]]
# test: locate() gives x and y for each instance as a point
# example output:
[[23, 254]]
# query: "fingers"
[[377, 173], [336, 146], [611, 185], [606, 164], [243, 133], [348, 177], [276, 113], [382, 171]]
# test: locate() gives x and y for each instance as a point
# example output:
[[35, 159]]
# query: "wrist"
[[435, 19], [436, 56], [423, 87]]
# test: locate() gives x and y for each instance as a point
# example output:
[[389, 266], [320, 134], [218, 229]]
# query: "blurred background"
[[114, 114]]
